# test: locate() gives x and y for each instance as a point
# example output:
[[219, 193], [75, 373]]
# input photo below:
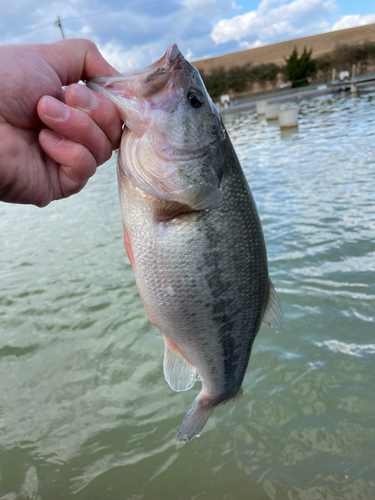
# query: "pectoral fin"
[[273, 315], [178, 372], [194, 198], [201, 196]]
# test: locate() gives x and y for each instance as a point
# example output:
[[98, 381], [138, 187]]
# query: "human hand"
[[51, 140]]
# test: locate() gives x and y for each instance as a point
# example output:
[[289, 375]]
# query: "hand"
[[51, 140]]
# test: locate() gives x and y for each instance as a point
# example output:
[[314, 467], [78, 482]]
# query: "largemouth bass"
[[191, 231]]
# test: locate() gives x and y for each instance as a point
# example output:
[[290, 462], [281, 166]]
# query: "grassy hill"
[[274, 53]]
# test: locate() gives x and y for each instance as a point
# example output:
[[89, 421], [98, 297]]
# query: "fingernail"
[[52, 138], [55, 109], [82, 98]]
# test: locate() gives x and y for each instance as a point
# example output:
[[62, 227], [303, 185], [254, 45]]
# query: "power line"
[[70, 19], [91, 15], [95, 14]]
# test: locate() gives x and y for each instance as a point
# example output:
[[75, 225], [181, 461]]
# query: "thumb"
[[75, 59]]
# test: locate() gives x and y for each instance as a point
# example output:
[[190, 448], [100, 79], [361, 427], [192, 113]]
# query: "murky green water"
[[85, 412]]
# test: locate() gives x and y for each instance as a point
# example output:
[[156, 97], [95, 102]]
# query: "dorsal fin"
[[273, 315], [178, 372]]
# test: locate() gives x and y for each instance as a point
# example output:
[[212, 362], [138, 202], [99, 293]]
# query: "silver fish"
[[191, 230]]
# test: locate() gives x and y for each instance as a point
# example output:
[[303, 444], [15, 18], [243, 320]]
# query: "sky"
[[134, 33]]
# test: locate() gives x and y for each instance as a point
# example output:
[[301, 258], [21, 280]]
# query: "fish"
[[192, 231]]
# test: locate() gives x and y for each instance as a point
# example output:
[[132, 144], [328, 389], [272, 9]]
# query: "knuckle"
[[109, 119], [91, 46], [107, 152], [82, 164], [106, 113], [102, 152]]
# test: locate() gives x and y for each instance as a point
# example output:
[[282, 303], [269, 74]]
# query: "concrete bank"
[[298, 94]]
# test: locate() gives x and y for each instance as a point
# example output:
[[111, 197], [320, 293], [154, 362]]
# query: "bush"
[[324, 65], [300, 68], [360, 55], [239, 78], [264, 73]]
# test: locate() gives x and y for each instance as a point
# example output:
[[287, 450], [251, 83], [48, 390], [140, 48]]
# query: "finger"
[[75, 162], [100, 109], [75, 125]]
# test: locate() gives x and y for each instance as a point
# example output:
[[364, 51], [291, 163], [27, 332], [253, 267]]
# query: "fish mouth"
[[145, 83]]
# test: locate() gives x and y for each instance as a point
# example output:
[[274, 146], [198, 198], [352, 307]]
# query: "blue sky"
[[134, 33]]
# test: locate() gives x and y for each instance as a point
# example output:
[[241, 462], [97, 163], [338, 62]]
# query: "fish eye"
[[195, 99]]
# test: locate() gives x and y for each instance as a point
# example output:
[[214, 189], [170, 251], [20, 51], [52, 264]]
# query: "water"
[[85, 412]]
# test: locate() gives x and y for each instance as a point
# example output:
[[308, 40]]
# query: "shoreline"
[[291, 95]]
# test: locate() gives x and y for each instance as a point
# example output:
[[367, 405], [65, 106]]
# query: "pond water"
[[85, 412]]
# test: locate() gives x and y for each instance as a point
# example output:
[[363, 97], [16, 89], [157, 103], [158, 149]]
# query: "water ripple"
[[84, 409]]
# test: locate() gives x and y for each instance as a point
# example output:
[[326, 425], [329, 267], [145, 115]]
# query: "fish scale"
[[193, 234]]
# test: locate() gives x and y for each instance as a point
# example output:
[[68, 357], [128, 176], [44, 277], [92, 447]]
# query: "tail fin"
[[194, 420]]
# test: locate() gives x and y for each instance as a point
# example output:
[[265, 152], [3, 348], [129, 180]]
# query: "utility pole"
[[58, 23]]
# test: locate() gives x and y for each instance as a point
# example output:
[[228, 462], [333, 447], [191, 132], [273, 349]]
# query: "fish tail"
[[195, 419]]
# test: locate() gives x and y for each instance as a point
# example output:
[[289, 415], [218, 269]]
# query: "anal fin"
[[178, 372], [273, 315]]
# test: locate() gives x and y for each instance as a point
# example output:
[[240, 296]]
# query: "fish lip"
[[173, 52]]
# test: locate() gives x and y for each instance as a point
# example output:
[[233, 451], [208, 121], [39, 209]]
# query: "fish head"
[[173, 133]]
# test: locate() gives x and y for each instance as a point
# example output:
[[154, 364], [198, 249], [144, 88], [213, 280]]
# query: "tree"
[[300, 68]]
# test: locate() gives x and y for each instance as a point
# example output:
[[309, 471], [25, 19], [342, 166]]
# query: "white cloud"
[[85, 30], [247, 45], [352, 21], [125, 60], [134, 34], [137, 57], [271, 22], [189, 54]]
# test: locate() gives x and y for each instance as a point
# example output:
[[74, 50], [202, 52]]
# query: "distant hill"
[[275, 53]]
